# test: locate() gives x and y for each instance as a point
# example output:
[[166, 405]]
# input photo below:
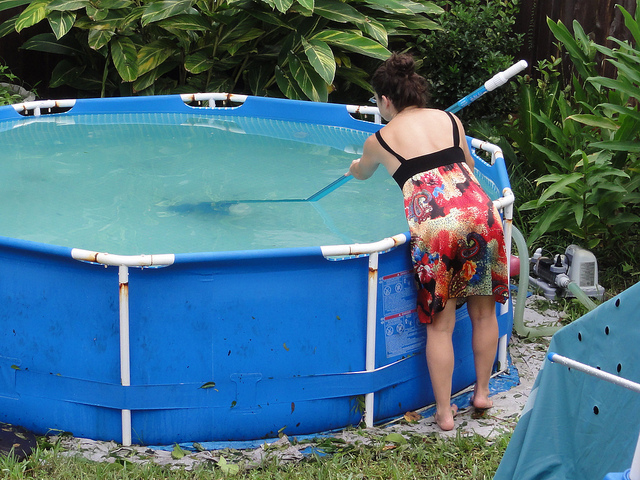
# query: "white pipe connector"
[[364, 248], [208, 97], [501, 78], [126, 260], [507, 199]]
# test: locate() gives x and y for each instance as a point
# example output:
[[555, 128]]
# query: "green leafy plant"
[[296, 48], [475, 42], [11, 90], [584, 134]]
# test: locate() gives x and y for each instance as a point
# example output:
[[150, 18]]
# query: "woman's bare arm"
[[463, 144], [363, 167]]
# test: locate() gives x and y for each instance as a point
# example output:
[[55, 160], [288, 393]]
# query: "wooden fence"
[[600, 19]]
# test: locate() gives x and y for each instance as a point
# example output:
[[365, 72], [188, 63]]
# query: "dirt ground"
[[513, 387]]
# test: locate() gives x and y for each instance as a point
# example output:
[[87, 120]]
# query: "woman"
[[457, 241]]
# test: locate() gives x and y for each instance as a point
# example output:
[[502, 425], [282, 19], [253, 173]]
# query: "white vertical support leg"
[[634, 472], [502, 344], [507, 226], [125, 359], [502, 353], [370, 359]]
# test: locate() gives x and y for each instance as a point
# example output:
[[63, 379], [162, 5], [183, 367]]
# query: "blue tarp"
[[575, 426]]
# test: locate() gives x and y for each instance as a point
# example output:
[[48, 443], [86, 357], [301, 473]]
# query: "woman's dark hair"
[[397, 80]]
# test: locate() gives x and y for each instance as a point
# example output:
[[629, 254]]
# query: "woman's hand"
[[353, 168]]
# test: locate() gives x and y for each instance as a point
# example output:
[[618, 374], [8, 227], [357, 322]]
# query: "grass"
[[420, 456]]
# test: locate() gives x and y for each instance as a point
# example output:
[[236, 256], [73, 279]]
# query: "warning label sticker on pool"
[[403, 333]]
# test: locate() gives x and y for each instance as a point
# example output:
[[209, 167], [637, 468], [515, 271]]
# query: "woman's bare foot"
[[445, 419], [480, 400]]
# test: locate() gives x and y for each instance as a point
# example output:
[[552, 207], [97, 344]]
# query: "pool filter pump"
[[557, 276]]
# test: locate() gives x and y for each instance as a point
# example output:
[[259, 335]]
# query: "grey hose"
[[523, 285]]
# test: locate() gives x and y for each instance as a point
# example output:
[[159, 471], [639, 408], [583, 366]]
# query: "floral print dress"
[[457, 240]]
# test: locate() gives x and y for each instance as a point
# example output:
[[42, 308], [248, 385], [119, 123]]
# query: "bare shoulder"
[[372, 147]]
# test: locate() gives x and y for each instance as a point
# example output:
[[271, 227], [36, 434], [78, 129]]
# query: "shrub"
[[475, 42], [574, 150], [11, 89], [586, 137], [296, 48]]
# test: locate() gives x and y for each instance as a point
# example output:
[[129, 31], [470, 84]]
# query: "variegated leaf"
[[338, 11], [287, 85], [405, 7], [270, 3], [67, 5], [7, 4], [97, 14], [375, 30], [154, 54], [110, 25], [595, 121], [64, 73], [61, 22], [133, 16], [417, 22], [125, 58], [283, 5], [198, 63], [46, 42], [144, 81], [308, 5], [148, 79], [8, 27], [353, 42], [321, 58], [31, 15], [157, 11], [313, 86], [98, 38], [186, 22], [113, 4]]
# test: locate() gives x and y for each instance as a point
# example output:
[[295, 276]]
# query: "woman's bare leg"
[[440, 361], [482, 310]]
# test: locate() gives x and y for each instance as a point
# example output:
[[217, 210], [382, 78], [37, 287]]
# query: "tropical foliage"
[[581, 137], [475, 42], [7, 94], [303, 49]]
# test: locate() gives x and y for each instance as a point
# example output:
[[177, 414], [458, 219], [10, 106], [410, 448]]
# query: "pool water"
[[177, 183]]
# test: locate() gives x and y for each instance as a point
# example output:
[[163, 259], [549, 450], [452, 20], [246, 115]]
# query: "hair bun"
[[403, 64], [398, 80]]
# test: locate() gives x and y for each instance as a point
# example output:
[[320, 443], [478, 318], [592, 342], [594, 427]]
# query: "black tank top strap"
[[388, 148], [456, 132]]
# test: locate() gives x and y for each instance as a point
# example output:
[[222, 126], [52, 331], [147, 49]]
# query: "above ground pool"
[[170, 272]]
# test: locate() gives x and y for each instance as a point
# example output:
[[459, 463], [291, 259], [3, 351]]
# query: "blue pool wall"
[[224, 345]]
